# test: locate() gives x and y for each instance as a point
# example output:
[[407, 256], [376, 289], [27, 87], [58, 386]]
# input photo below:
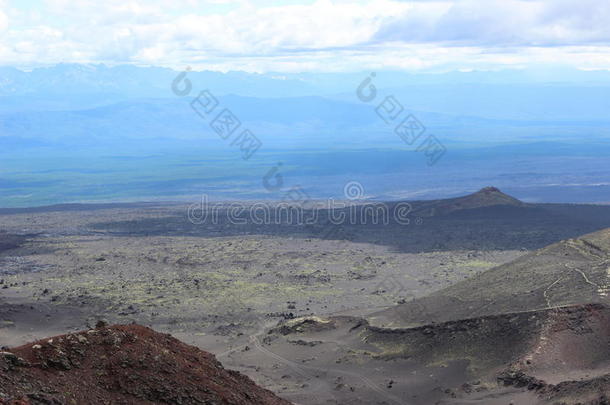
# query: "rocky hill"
[[486, 197], [122, 365], [570, 272], [533, 331]]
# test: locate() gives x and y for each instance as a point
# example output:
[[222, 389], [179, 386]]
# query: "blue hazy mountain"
[[280, 122], [93, 132]]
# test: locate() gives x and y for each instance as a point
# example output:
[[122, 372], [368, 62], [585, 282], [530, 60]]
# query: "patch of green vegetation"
[[479, 264]]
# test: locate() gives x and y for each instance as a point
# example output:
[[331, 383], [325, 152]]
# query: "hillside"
[[122, 364], [486, 197], [574, 271], [533, 331]]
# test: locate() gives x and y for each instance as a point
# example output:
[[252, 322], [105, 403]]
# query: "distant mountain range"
[[63, 127], [280, 122], [87, 105], [524, 95]]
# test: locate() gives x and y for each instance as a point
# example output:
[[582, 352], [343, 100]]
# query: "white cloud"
[[3, 17], [507, 23], [319, 35]]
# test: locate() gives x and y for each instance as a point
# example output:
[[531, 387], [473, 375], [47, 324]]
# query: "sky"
[[308, 36]]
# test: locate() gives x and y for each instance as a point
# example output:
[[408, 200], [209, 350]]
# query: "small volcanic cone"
[[486, 197], [122, 364]]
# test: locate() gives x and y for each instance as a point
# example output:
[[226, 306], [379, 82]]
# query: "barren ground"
[[223, 287]]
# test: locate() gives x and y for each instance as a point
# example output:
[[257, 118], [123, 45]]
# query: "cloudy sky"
[[301, 35]]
